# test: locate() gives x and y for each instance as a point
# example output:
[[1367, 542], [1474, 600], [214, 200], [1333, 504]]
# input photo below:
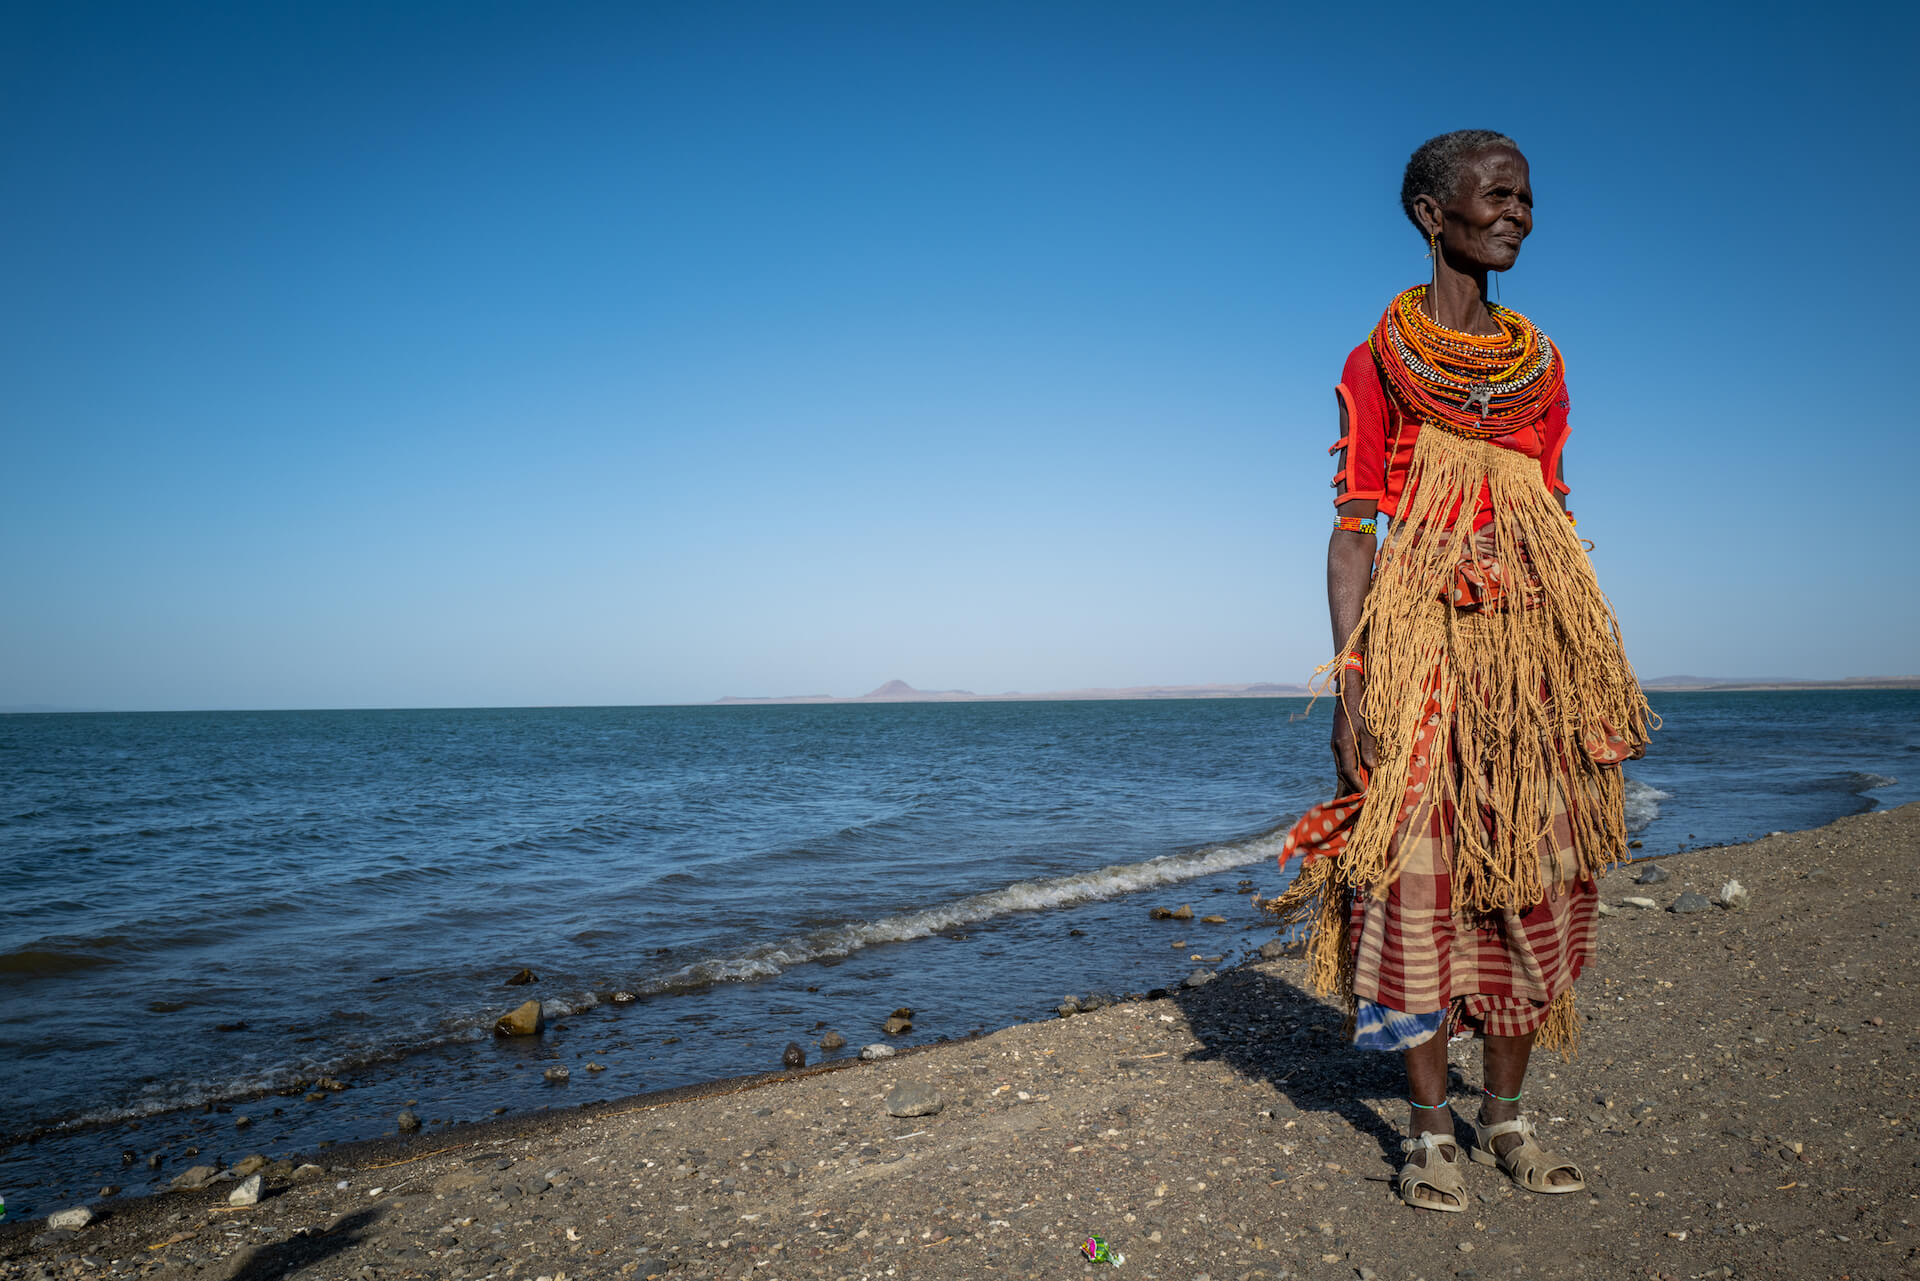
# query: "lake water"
[[205, 908]]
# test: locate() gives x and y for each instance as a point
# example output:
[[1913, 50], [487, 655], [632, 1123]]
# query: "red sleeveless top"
[[1380, 438]]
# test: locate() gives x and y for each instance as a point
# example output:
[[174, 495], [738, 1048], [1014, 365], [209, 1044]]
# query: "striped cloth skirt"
[[1495, 972]]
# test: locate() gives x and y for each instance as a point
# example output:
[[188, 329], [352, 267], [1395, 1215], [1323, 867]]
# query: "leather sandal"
[[1525, 1163], [1426, 1187]]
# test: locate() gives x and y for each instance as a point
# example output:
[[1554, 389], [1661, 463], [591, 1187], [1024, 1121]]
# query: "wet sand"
[[1743, 1105]]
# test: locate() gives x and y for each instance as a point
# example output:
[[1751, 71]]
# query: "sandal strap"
[[1519, 1125], [1432, 1143]]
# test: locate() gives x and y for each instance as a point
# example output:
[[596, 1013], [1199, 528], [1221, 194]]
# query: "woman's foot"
[[1502, 1138], [1431, 1179]]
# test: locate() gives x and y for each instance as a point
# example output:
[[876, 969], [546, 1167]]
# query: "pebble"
[[1183, 913], [1734, 896], [878, 1051], [1636, 901], [1608, 909], [248, 1165], [1199, 978], [833, 1041], [914, 1098], [623, 998], [557, 1073], [70, 1220], [1272, 950], [248, 1193], [526, 1020], [793, 1056], [1213, 920], [1689, 902], [521, 979], [897, 1025], [408, 1121], [1653, 875]]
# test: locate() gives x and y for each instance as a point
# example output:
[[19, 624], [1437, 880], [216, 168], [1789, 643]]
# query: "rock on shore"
[[524, 1020]]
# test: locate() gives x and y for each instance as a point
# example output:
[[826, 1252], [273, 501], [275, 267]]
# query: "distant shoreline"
[[900, 692]]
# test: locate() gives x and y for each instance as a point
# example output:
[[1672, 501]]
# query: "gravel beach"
[[1743, 1105]]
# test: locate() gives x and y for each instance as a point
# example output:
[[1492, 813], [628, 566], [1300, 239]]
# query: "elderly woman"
[[1484, 700]]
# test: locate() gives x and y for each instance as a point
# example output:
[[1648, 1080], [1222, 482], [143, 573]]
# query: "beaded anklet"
[[1431, 1107], [1501, 1097]]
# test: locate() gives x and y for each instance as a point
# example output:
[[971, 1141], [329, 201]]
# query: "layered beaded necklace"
[[1477, 385]]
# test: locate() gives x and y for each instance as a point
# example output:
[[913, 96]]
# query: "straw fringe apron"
[[1501, 703]]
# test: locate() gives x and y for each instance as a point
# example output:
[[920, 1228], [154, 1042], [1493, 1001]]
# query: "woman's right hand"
[[1353, 754]]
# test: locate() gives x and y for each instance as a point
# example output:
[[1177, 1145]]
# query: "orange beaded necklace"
[[1477, 385]]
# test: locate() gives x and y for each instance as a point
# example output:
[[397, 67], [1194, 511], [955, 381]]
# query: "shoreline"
[[1223, 1127]]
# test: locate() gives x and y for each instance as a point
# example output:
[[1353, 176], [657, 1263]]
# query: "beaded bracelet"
[[1353, 524], [1353, 663]]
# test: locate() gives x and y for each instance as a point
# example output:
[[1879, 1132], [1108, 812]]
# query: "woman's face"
[[1491, 212]]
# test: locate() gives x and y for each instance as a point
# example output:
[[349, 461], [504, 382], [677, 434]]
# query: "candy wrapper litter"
[[1098, 1251]]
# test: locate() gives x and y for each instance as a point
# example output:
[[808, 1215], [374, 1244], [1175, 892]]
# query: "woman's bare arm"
[[1349, 574]]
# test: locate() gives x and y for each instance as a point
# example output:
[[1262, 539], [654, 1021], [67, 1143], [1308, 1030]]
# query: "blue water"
[[203, 908]]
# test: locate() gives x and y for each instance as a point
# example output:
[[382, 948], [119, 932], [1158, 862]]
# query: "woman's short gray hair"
[[1435, 168]]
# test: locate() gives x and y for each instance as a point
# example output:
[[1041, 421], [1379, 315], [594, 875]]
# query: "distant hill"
[[1730, 683], [897, 691]]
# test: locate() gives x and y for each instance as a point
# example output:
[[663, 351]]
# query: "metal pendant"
[[1480, 394]]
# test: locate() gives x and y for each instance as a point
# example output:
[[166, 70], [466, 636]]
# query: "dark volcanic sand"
[[1744, 1106]]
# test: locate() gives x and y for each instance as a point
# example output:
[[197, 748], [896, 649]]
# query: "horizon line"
[[1134, 693]]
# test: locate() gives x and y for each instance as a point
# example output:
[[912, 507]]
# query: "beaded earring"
[[1433, 289]]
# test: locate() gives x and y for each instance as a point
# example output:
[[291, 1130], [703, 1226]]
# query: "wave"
[[1642, 804], [835, 941], [1865, 782]]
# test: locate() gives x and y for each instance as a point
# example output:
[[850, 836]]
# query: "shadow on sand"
[[285, 1258], [1299, 1050]]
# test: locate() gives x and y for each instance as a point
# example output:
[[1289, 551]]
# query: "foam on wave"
[[768, 959], [1642, 804]]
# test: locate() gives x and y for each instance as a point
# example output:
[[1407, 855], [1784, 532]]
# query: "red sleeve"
[[1363, 450], [1553, 438]]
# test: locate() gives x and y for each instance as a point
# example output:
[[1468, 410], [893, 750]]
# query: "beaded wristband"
[[1353, 524], [1353, 663]]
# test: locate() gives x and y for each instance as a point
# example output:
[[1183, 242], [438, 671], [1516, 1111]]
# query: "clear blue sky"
[[416, 354]]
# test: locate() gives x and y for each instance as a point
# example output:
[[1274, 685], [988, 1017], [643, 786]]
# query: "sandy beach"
[[1743, 1105]]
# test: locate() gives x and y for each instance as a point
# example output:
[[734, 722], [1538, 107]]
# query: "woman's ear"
[[1426, 211]]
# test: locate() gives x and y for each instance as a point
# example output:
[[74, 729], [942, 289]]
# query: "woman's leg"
[[1504, 1069], [1427, 1083]]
